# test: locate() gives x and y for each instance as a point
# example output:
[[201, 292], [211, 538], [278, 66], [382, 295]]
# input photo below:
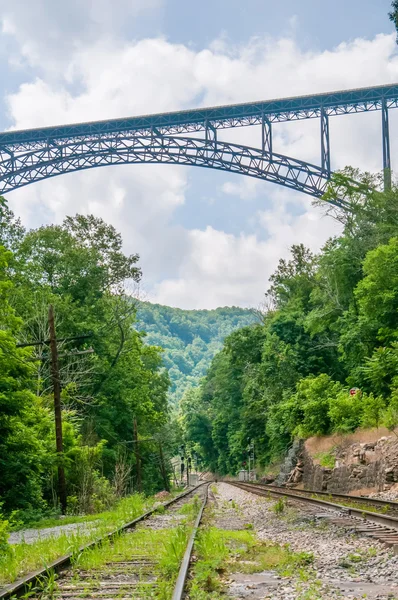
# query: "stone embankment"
[[363, 467]]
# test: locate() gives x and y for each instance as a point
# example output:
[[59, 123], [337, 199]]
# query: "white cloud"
[[246, 188], [223, 269], [48, 32], [109, 78]]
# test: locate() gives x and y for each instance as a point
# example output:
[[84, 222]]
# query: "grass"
[[220, 552], [326, 459], [165, 547], [162, 547], [279, 506], [190, 509], [22, 558], [354, 558]]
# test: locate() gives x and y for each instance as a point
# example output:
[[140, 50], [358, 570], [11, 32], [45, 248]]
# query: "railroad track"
[[383, 527], [122, 564], [384, 506]]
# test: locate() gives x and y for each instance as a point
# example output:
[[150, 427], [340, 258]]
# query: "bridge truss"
[[36, 154]]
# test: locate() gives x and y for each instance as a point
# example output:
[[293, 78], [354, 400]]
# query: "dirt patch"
[[316, 445]]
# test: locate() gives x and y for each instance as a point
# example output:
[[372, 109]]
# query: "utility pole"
[[163, 469], [137, 456], [254, 472], [188, 468], [182, 467], [248, 452], [57, 409]]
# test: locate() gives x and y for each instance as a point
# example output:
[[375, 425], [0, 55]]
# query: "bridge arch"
[[51, 159]]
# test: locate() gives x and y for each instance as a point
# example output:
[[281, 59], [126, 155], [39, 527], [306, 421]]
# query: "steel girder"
[[55, 159], [221, 117]]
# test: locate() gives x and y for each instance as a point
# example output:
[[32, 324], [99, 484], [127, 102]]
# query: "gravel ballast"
[[345, 565], [28, 536]]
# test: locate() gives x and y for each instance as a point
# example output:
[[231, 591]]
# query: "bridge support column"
[[386, 146], [266, 134], [325, 141], [210, 133]]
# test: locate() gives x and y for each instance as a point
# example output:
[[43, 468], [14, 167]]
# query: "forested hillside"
[[190, 338], [331, 325]]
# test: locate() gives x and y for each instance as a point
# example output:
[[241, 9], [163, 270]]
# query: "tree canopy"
[[109, 376], [331, 324]]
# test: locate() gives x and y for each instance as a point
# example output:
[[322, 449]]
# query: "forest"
[[138, 380], [114, 386], [330, 325], [189, 338]]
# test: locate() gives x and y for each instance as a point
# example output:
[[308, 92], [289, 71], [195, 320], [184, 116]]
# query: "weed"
[[47, 586], [355, 558], [279, 506], [191, 508], [344, 563], [326, 459], [173, 551], [22, 558], [160, 510], [4, 531], [248, 526], [212, 551], [313, 592], [220, 551]]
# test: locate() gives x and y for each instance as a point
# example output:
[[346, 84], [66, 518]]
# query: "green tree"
[[377, 293], [394, 14], [23, 422]]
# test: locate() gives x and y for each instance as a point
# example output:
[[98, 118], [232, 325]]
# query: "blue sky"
[[205, 238]]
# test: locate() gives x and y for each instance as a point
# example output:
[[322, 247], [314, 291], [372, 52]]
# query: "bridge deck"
[[235, 115]]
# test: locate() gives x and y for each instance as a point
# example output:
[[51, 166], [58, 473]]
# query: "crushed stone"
[[345, 565]]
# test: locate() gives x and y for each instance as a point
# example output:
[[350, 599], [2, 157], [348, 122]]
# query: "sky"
[[205, 238]]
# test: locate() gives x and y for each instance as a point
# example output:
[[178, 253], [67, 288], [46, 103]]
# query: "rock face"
[[290, 464], [369, 466]]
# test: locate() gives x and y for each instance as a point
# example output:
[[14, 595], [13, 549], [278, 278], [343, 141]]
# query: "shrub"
[[345, 412], [373, 409], [4, 533], [326, 459], [309, 406]]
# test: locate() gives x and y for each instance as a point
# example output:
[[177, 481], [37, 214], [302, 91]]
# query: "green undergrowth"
[[57, 520], [357, 559], [165, 547], [220, 552], [191, 509], [19, 559], [326, 459]]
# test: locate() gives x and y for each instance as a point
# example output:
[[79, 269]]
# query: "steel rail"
[[377, 501], [19, 587], [366, 515], [179, 587]]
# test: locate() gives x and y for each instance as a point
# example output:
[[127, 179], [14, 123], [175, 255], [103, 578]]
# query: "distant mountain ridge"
[[190, 338]]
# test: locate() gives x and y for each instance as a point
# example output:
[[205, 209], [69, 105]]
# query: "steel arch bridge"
[[32, 155]]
